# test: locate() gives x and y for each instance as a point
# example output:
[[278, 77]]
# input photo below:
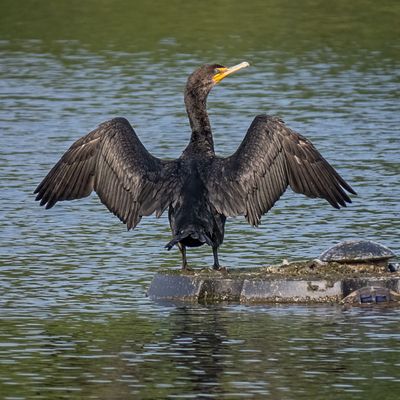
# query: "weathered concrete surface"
[[293, 283], [281, 290], [182, 287]]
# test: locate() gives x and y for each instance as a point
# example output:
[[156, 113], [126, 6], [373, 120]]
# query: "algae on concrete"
[[296, 282]]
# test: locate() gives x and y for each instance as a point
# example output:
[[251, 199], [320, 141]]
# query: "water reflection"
[[203, 352], [200, 350]]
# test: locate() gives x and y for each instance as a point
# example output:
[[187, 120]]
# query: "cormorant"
[[199, 188]]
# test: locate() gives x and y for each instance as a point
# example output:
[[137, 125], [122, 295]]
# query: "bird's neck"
[[196, 108]]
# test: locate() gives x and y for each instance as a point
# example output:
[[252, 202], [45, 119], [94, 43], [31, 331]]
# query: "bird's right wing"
[[113, 162], [270, 158]]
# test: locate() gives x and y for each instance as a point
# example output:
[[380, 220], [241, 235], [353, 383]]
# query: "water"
[[74, 319]]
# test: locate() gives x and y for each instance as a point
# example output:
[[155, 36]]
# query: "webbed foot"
[[218, 268]]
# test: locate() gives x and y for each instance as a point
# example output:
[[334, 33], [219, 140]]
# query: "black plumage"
[[199, 188]]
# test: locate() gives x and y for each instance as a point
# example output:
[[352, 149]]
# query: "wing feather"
[[113, 162], [271, 158]]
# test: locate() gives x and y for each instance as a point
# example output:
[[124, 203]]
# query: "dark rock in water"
[[357, 251]]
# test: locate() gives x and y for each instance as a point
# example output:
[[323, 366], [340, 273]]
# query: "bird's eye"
[[216, 71]]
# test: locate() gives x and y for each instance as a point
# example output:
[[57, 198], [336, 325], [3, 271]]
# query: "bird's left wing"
[[112, 161], [270, 158]]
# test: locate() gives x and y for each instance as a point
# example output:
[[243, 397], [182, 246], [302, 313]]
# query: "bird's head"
[[201, 81]]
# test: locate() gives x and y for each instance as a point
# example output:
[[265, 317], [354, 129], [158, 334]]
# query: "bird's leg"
[[216, 265], [216, 262], [182, 249]]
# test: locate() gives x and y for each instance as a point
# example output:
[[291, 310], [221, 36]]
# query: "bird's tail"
[[191, 236]]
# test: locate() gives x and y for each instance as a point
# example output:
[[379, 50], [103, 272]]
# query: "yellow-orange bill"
[[224, 72]]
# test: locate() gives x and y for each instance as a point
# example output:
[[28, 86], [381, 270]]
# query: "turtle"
[[370, 295], [358, 252]]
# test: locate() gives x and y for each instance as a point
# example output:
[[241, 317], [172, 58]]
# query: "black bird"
[[199, 188]]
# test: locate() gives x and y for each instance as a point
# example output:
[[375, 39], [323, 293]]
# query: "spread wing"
[[113, 162], [270, 158]]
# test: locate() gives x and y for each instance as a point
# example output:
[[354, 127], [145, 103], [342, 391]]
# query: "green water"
[[75, 322]]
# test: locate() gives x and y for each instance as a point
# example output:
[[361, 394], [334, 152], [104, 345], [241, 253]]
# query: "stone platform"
[[301, 282]]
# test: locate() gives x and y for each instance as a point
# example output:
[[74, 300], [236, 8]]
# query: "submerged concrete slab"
[[175, 287], [282, 290], [294, 283]]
